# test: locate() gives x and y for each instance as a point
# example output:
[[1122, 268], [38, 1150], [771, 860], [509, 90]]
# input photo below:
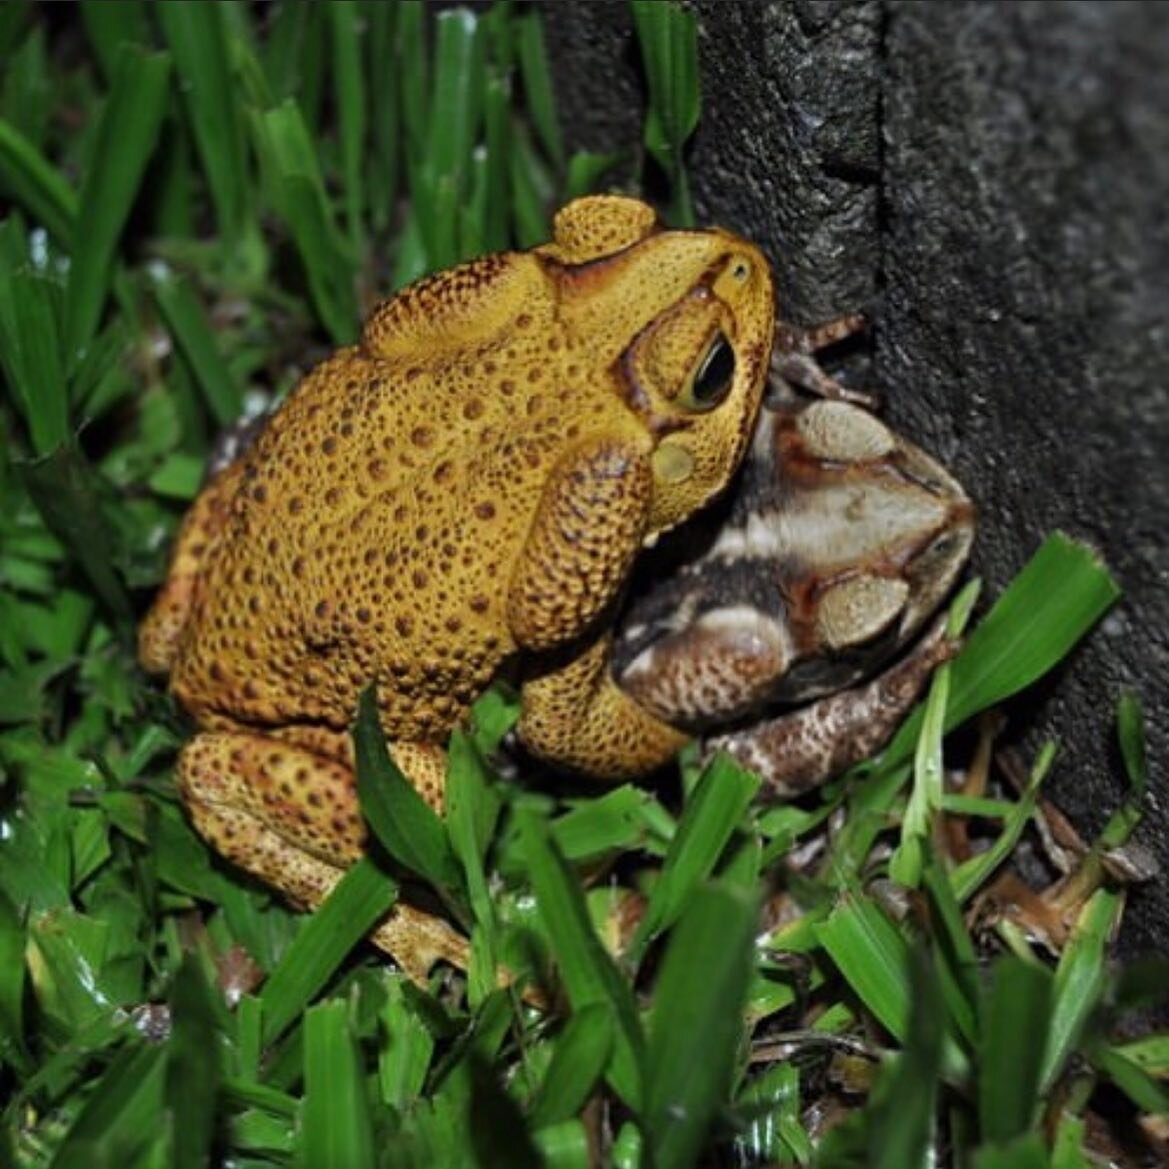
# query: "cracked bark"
[[988, 180]]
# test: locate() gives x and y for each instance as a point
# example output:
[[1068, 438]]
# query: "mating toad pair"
[[466, 491]]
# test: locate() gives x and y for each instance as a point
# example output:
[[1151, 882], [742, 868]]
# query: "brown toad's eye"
[[712, 381]]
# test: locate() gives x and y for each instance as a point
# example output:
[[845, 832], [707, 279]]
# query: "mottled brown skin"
[[468, 485]]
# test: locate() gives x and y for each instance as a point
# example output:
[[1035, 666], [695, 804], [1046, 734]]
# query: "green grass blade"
[[1132, 1080], [711, 815], [405, 825], [126, 137], [187, 321], [587, 971], [123, 1114], [873, 957], [1079, 980], [336, 1127], [193, 1068], [68, 493], [31, 356], [537, 79], [198, 39], [1057, 597], [349, 94], [109, 25], [578, 1061], [697, 1023], [404, 1056], [359, 900], [902, 1114], [382, 160], [32, 182], [1014, 1021]]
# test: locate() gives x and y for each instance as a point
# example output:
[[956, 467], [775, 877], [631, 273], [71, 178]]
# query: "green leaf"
[[126, 135], [197, 37], [33, 183], [1058, 596], [1130, 732], [1026, 1152], [193, 1067], [31, 356], [711, 815], [873, 957], [404, 1057], [668, 35], [403, 822], [68, 493], [901, 1121], [697, 1022], [1015, 1020], [579, 1059], [358, 901], [122, 1116], [587, 971], [337, 1129], [188, 323], [349, 83], [1079, 980], [537, 79]]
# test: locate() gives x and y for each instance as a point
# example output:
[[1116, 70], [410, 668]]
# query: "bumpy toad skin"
[[842, 540], [466, 487]]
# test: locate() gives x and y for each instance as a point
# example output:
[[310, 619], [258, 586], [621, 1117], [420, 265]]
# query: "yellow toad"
[[467, 486]]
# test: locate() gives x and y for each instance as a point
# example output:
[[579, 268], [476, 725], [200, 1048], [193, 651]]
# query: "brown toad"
[[467, 486]]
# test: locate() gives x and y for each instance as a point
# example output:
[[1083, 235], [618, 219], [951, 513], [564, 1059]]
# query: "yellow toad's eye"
[[712, 380]]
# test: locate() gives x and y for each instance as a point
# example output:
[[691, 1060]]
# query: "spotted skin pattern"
[[464, 489]]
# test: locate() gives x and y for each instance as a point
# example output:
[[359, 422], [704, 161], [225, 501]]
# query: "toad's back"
[[372, 528]]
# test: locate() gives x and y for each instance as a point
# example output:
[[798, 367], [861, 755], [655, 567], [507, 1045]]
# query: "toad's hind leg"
[[291, 818]]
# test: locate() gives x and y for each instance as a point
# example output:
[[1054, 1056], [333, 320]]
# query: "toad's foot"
[[797, 751], [793, 358], [290, 817]]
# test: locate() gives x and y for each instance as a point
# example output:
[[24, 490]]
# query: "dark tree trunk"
[[990, 180]]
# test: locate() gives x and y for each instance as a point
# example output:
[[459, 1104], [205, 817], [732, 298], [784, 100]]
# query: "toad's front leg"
[[291, 817], [589, 527]]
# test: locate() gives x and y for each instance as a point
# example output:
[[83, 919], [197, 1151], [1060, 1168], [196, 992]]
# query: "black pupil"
[[714, 378]]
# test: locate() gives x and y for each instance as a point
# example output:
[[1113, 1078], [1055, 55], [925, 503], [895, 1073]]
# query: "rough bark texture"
[[989, 180]]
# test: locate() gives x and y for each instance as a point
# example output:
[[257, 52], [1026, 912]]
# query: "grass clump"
[[201, 200]]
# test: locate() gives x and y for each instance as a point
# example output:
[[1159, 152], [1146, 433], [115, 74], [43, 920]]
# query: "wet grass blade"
[[198, 39], [359, 900], [697, 1021], [126, 137], [336, 1127]]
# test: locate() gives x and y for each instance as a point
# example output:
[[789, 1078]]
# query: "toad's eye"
[[712, 380]]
